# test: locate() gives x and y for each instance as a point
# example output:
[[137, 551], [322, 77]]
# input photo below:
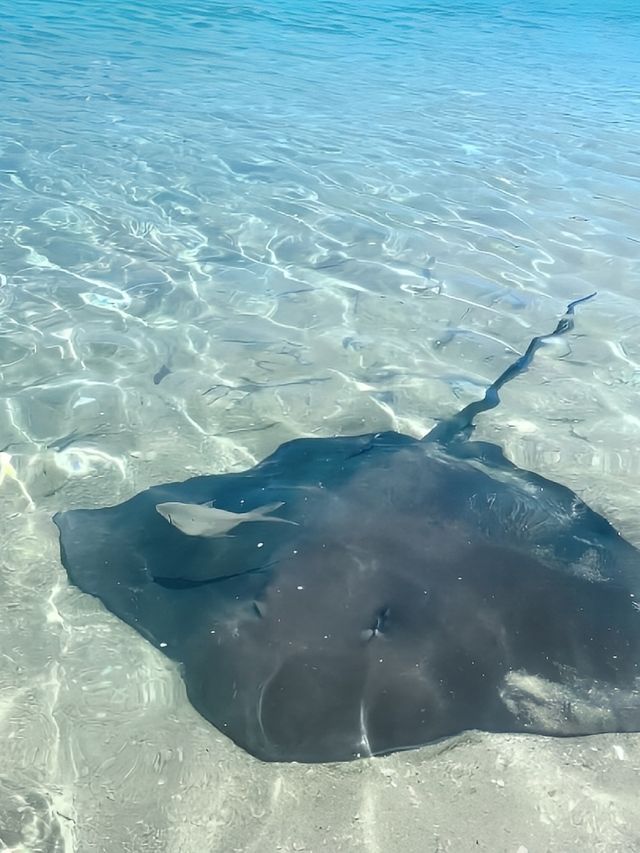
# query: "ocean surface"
[[224, 225]]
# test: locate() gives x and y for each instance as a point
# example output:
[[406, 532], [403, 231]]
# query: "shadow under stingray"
[[425, 587]]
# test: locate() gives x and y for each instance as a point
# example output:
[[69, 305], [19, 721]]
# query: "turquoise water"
[[226, 224], [186, 186]]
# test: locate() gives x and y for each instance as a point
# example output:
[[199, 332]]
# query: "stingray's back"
[[423, 591]]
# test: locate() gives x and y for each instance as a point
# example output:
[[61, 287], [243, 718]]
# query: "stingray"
[[422, 588]]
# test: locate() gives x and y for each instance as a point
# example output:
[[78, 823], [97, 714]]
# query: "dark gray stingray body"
[[428, 587]]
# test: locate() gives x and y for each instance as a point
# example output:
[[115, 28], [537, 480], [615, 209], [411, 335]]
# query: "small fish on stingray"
[[208, 520], [428, 587]]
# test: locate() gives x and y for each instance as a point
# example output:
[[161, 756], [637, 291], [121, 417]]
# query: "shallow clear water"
[[223, 225]]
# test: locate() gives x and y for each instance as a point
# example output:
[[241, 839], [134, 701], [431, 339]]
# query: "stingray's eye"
[[378, 626], [382, 620]]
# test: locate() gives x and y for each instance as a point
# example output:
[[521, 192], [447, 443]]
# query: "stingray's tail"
[[461, 424]]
